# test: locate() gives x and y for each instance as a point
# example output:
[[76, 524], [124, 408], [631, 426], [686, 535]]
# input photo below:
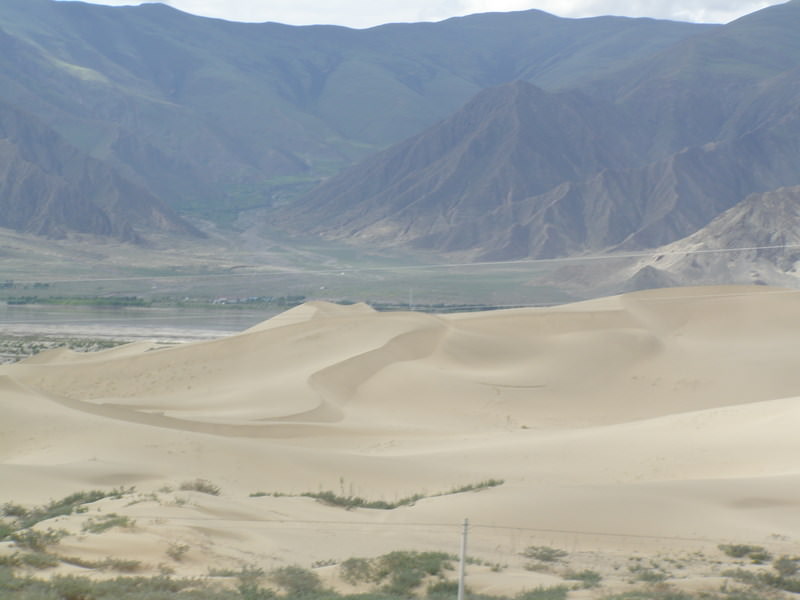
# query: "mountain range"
[[490, 137], [521, 172]]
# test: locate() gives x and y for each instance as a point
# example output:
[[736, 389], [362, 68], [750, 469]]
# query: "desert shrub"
[[324, 562], [656, 592], [427, 563], [59, 508], [402, 572], [120, 588], [106, 522], [350, 502], [403, 582], [647, 575], [741, 575], [6, 529], [10, 560], [17, 511], [296, 581], [740, 595], [760, 557], [355, 571], [251, 590], [474, 487], [558, 592], [758, 554], [787, 584], [177, 551], [248, 586], [38, 541], [70, 587], [443, 589], [38, 560], [786, 566], [544, 553], [587, 578], [121, 565], [201, 485]]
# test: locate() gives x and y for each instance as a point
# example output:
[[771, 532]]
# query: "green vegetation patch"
[[544, 553], [106, 522], [25, 518], [397, 573], [201, 485], [350, 501], [587, 578], [110, 301], [557, 592], [757, 554]]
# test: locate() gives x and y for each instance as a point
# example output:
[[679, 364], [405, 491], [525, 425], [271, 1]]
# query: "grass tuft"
[[106, 522], [201, 485]]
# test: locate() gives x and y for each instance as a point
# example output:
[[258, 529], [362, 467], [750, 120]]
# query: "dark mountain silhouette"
[[214, 117], [494, 136], [756, 241], [520, 172], [50, 188]]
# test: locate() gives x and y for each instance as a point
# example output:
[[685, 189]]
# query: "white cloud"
[[714, 11], [366, 13]]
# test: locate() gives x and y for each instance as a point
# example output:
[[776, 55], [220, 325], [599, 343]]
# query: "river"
[[127, 324]]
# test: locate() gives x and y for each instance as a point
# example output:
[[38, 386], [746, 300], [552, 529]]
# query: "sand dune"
[[667, 413]]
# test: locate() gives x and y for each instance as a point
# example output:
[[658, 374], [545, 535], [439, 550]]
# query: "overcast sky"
[[366, 13]]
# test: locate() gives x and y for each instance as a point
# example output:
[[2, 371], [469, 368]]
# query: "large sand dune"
[[647, 420]]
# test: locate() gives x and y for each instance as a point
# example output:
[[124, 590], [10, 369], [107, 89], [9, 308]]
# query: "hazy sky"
[[366, 13]]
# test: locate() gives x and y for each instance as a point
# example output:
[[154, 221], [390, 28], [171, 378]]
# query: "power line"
[[443, 525]]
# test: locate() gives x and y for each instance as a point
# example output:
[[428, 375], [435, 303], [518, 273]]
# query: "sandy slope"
[[669, 413]]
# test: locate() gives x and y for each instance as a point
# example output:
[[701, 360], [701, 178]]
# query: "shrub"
[[106, 522], [475, 487], [177, 551], [405, 571], [558, 592], [250, 590], [296, 581], [786, 566], [122, 565], [647, 575], [10, 560], [758, 554], [355, 571], [248, 585], [39, 560], [428, 563], [14, 510], [59, 508], [655, 592], [402, 582], [760, 557], [6, 529], [351, 502], [201, 485], [544, 553], [587, 577], [37, 540], [69, 587], [443, 589]]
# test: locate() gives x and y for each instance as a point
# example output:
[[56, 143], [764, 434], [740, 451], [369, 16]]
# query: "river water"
[[128, 324]]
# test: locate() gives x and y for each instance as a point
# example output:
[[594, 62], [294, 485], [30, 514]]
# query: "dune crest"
[[665, 413]]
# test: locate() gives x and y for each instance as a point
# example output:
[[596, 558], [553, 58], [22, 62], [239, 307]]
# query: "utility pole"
[[463, 560]]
